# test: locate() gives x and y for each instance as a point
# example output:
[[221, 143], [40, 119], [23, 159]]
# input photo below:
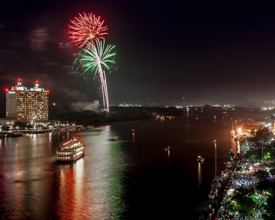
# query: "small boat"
[[113, 139], [70, 151], [200, 159]]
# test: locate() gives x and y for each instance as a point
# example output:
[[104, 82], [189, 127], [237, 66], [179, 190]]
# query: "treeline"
[[116, 114]]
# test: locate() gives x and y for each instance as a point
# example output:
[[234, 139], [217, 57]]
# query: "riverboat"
[[200, 159], [70, 151]]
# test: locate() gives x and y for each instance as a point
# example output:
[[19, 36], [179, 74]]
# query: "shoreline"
[[218, 189], [239, 174]]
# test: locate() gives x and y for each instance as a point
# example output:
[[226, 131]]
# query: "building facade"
[[25, 104]]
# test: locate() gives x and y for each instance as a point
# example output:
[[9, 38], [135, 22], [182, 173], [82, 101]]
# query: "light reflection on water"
[[115, 179], [71, 194], [33, 186], [104, 180], [199, 174]]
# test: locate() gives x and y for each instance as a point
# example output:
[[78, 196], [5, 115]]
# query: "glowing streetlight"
[[215, 145], [239, 132]]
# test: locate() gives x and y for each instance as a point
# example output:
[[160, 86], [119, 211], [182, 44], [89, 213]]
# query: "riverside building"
[[25, 104]]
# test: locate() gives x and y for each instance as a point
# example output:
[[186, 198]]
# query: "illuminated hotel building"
[[25, 104]]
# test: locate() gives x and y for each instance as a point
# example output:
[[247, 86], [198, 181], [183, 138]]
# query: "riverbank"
[[244, 190], [219, 187]]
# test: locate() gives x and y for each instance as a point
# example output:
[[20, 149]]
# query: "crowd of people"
[[238, 176]]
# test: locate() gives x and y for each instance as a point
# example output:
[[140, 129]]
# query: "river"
[[134, 177]]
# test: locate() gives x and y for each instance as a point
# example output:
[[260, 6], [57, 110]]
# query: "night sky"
[[168, 52]]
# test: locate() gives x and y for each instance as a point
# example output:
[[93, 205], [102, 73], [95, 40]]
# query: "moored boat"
[[70, 151], [113, 139]]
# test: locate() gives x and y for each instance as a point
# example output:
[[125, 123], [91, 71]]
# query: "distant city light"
[[129, 105]]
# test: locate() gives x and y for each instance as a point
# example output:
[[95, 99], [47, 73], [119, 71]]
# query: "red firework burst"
[[86, 28]]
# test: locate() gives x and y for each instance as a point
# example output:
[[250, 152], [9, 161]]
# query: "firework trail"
[[87, 31], [96, 59]]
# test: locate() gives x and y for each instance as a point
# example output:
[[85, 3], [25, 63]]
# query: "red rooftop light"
[[19, 79], [36, 81]]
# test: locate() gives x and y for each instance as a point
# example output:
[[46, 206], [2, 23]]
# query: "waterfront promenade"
[[219, 188], [20, 132], [236, 193]]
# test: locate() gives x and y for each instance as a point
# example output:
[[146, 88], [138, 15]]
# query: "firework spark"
[[86, 28], [96, 59]]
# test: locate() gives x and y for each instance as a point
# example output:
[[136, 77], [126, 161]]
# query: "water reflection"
[[112, 173], [71, 195], [199, 174], [106, 176], [168, 152], [33, 186], [133, 134]]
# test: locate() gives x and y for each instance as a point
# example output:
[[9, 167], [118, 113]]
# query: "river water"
[[134, 177]]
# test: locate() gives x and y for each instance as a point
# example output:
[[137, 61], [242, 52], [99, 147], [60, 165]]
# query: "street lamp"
[[215, 145], [239, 133]]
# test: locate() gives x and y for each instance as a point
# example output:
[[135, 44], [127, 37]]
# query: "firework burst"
[[86, 28], [95, 60]]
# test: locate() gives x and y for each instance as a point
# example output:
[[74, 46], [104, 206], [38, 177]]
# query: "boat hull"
[[69, 158]]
